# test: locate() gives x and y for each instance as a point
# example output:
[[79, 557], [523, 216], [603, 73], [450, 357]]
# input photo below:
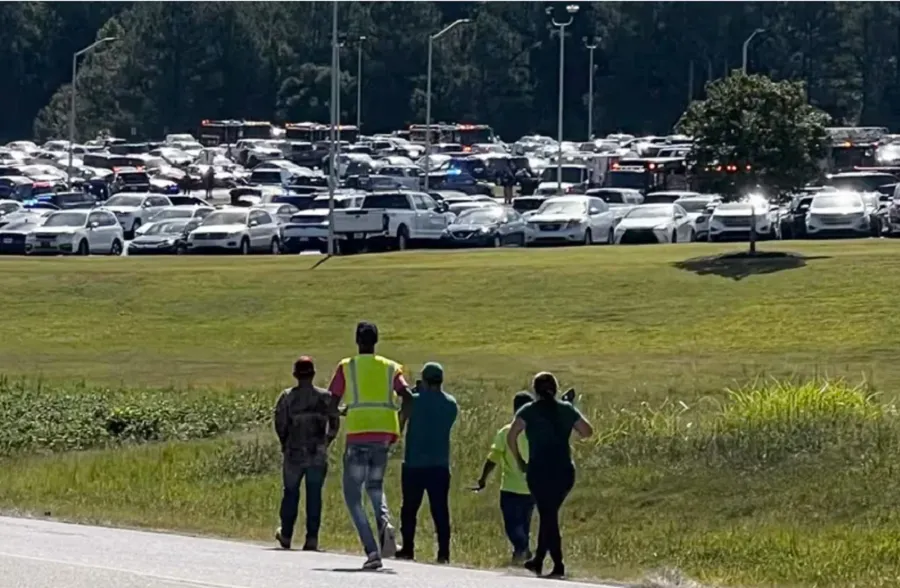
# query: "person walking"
[[209, 180], [372, 426], [548, 423], [426, 461], [516, 502], [306, 422]]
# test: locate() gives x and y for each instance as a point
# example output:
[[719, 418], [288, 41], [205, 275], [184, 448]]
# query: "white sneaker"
[[388, 541]]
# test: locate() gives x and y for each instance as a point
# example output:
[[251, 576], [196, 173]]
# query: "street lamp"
[[746, 45], [332, 176], [571, 9], [359, 83], [431, 40], [72, 110], [590, 47]]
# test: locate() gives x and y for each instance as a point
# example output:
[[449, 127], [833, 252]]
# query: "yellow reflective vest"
[[369, 395]]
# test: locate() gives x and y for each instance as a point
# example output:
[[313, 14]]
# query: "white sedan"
[[238, 230], [78, 232], [655, 223], [571, 219], [185, 211]]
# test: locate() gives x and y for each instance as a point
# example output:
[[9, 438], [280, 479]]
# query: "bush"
[[37, 417], [756, 426]]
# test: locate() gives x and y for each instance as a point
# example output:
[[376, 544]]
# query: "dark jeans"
[[550, 488], [415, 482], [290, 500], [517, 510]]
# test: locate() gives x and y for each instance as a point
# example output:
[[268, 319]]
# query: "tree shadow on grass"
[[738, 266]]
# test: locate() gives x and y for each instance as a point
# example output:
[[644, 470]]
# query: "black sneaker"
[[373, 562], [285, 542], [404, 553], [311, 544], [443, 560], [558, 571], [534, 566]]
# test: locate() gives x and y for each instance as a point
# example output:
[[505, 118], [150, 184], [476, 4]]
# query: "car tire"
[[402, 241], [275, 247], [245, 246], [611, 237], [712, 239], [496, 242], [693, 236], [674, 238], [116, 248], [83, 248], [588, 237], [180, 249]]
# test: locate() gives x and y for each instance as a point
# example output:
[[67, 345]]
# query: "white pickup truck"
[[392, 220], [308, 229]]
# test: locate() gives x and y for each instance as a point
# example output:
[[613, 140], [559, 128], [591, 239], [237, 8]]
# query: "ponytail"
[[545, 386]]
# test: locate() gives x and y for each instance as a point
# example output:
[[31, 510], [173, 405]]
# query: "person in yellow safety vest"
[[372, 424]]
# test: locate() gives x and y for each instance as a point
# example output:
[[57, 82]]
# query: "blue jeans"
[[517, 510], [292, 476], [364, 467]]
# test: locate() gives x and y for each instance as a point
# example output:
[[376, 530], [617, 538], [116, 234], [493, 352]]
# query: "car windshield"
[[123, 200], [480, 216], [66, 219], [735, 207], [172, 213], [693, 205], [226, 217], [172, 227], [563, 207], [611, 196], [653, 211], [863, 183], [836, 200], [570, 175], [8, 207]]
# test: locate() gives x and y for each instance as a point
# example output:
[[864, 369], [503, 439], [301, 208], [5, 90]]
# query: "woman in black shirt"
[[550, 473]]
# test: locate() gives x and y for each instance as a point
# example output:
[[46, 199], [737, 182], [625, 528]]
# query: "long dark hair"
[[545, 386]]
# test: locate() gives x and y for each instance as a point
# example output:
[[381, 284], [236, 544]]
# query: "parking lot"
[[244, 187]]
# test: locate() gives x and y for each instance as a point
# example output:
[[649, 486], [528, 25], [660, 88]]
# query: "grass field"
[[138, 391]]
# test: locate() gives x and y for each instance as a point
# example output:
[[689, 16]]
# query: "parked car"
[[15, 227], [492, 226], [573, 220], [732, 221], [238, 230], [655, 223], [174, 212], [78, 232], [699, 209], [167, 236], [135, 209], [839, 214]]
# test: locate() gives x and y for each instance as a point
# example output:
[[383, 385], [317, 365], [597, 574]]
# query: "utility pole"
[[571, 9], [746, 46], [332, 179], [359, 83], [590, 47], [75, 56]]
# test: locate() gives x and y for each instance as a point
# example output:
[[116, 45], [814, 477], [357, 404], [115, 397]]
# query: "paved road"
[[44, 554]]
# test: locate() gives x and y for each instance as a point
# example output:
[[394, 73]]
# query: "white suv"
[[135, 209], [239, 230], [78, 232]]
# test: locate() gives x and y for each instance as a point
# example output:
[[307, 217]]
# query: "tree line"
[[176, 63]]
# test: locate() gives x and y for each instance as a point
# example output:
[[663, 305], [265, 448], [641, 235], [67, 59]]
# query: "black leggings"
[[550, 489]]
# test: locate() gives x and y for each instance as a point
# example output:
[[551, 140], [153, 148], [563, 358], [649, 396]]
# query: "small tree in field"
[[766, 130]]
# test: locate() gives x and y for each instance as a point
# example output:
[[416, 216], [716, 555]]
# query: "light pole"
[[746, 46], [359, 83], [332, 176], [72, 110], [571, 9], [431, 39], [590, 47]]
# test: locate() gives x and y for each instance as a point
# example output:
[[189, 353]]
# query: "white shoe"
[[388, 541]]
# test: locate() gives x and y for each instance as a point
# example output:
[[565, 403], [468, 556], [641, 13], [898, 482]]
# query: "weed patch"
[[35, 416]]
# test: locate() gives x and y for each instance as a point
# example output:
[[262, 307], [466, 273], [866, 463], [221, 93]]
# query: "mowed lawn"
[[652, 348]]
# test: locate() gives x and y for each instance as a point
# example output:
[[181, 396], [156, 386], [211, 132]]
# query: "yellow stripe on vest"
[[389, 402]]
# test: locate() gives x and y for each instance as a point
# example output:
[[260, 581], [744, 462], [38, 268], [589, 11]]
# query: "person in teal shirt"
[[516, 502], [426, 461]]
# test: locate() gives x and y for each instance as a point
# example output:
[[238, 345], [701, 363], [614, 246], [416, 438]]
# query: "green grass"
[[787, 479]]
